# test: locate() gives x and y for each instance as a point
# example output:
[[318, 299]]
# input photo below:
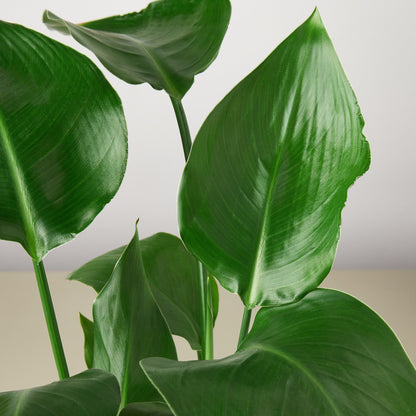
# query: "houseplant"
[[259, 208]]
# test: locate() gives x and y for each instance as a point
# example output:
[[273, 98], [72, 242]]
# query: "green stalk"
[[209, 326], [183, 126], [204, 292], [51, 323], [202, 310], [245, 324]]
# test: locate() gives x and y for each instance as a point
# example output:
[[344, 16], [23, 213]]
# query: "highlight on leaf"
[[63, 141], [261, 196], [165, 45]]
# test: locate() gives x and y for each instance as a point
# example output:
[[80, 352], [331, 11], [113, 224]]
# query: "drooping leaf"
[[261, 195], [88, 329], [166, 44], [91, 393], [146, 409], [173, 276], [327, 354], [129, 326], [63, 141]]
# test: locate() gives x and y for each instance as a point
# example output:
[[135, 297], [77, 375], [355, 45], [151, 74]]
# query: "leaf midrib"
[[301, 368], [20, 186], [252, 289]]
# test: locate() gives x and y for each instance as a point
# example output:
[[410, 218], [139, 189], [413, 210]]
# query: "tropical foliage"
[[259, 203]]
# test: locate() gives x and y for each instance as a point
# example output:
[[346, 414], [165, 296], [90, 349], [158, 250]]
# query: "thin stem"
[[204, 293], [209, 333], [245, 324], [183, 126], [51, 323], [202, 309]]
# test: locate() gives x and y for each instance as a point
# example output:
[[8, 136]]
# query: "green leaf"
[[97, 272], [146, 409], [261, 195], [166, 44], [215, 297], [173, 276], [90, 393], [129, 326], [63, 141], [327, 354], [88, 329]]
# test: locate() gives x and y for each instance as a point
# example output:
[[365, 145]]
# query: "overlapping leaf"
[[173, 276], [129, 326], [63, 141], [166, 44], [88, 329], [327, 354], [146, 409], [261, 195], [90, 393]]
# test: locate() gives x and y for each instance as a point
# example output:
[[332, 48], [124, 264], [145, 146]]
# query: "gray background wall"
[[376, 44]]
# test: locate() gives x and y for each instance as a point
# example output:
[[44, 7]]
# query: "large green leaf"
[[327, 354], [90, 393], [261, 195], [63, 141], [166, 44], [173, 276], [129, 326], [146, 409]]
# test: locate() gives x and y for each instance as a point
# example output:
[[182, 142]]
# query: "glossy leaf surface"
[[166, 44], [146, 409], [173, 276], [261, 195], [90, 393], [327, 354], [63, 141], [129, 326]]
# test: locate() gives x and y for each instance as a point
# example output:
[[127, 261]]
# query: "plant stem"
[[202, 310], [245, 324], [204, 291], [183, 126], [209, 333], [50, 317]]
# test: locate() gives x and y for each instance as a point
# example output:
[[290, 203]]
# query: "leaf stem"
[[204, 291], [245, 324], [209, 333], [183, 126], [50, 317], [202, 309]]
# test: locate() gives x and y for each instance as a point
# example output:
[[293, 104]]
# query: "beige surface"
[[25, 354]]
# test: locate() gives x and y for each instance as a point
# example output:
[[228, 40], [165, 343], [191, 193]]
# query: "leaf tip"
[[315, 17]]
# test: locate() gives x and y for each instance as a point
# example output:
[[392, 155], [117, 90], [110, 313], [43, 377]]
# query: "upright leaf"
[[166, 44], [261, 196], [129, 326], [88, 329], [173, 276], [327, 354], [63, 141], [90, 393]]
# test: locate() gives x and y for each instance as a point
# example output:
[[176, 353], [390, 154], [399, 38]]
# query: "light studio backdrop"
[[375, 42]]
